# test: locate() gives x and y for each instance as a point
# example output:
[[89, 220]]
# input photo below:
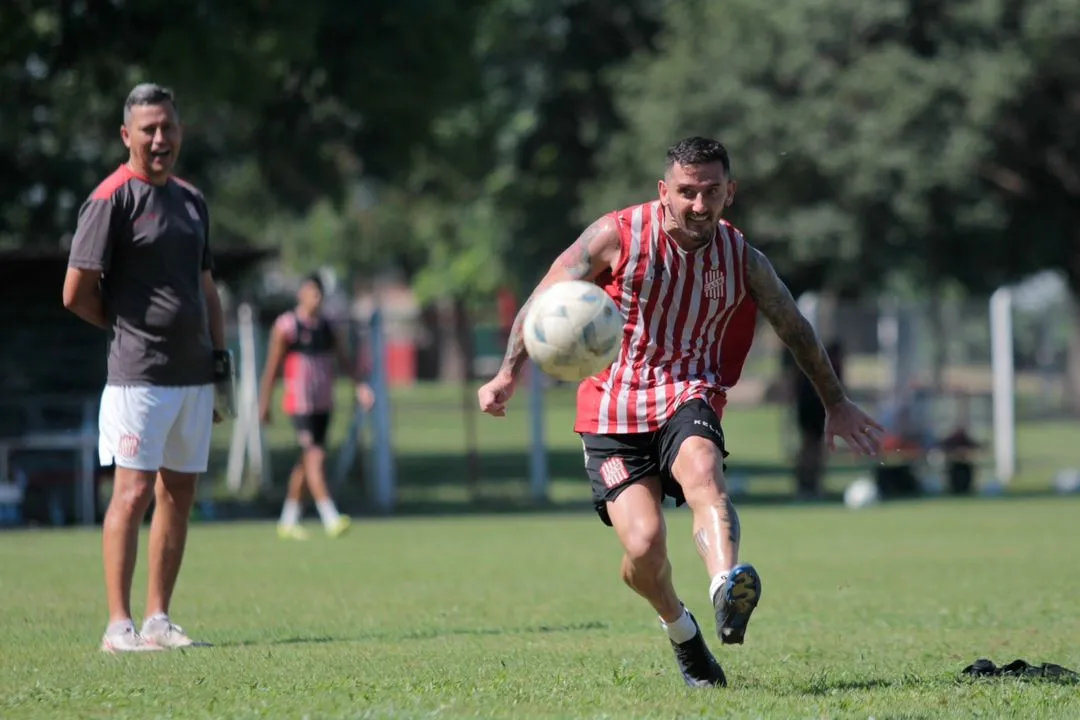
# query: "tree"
[[493, 199], [286, 103]]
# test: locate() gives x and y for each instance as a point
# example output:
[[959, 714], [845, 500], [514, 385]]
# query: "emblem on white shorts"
[[128, 447]]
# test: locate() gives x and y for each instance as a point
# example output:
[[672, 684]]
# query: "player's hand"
[[217, 418], [495, 394], [264, 412], [365, 396], [860, 431]]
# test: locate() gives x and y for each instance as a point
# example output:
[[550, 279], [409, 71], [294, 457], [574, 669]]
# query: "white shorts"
[[148, 427]]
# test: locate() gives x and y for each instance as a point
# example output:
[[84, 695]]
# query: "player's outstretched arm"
[[794, 330], [596, 249], [773, 298]]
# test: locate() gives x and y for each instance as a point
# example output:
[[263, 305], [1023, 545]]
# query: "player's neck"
[[145, 175], [688, 244], [305, 313]]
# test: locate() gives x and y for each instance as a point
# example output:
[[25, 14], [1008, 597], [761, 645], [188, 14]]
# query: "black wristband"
[[222, 365]]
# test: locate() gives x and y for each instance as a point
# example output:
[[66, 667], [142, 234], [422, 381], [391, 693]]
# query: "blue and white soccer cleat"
[[735, 601]]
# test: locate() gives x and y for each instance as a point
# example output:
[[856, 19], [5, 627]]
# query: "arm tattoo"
[[576, 262], [576, 259], [779, 308], [515, 344]]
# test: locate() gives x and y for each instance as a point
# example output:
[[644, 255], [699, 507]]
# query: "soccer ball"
[[573, 330], [861, 494]]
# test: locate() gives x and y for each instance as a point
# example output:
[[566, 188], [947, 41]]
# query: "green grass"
[[864, 614]]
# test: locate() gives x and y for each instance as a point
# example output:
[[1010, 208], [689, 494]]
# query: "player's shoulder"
[[626, 215], [113, 186], [735, 233], [286, 318], [188, 188]]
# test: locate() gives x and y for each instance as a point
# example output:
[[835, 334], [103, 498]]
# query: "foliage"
[[862, 134]]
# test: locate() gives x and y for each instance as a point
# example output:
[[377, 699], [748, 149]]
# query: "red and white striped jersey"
[[689, 326], [309, 364]]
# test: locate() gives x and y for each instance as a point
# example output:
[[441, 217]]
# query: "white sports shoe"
[[161, 631], [126, 640]]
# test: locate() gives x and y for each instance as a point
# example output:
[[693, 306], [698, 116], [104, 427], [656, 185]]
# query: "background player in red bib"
[[304, 342], [690, 288], [140, 266]]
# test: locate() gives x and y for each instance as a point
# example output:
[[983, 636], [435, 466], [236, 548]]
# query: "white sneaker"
[[126, 640], [162, 632]]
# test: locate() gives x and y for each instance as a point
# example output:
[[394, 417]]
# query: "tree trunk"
[[939, 339], [452, 361]]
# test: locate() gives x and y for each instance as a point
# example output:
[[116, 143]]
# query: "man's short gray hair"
[[147, 94]]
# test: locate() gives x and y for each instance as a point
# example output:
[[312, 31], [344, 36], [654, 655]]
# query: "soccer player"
[[305, 342], [140, 267], [690, 288]]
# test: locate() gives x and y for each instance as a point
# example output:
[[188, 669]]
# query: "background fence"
[[921, 368], [924, 369]]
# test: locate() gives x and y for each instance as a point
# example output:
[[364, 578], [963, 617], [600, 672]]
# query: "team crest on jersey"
[[714, 284]]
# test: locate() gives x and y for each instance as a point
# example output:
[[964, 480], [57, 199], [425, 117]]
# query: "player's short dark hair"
[[147, 94], [698, 151], [315, 280]]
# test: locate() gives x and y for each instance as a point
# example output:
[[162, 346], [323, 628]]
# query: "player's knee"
[[700, 469], [131, 493], [176, 488], [645, 543]]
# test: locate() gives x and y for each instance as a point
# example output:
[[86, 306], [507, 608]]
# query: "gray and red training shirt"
[[151, 244]]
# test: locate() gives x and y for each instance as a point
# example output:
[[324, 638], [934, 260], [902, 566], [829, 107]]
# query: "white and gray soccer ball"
[[1067, 482], [573, 330], [861, 493]]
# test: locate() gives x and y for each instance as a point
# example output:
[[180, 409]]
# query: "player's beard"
[[698, 229]]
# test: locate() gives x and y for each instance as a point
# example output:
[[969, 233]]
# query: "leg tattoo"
[[734, 527]]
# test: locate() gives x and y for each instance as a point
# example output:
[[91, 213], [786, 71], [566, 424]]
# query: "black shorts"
[[311, 429], [614, 462]]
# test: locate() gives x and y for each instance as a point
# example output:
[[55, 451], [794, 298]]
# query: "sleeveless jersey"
[[308, 376], [689, 325]]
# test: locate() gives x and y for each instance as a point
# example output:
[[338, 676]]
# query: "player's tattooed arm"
[[595, 250], [779, 308]]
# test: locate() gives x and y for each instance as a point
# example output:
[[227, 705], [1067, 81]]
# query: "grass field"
[[864, 614]]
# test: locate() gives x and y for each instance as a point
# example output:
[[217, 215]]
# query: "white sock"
[[717, 582], [152, 618], [682, 629], [120, 627], [327, 511], [290, 513]]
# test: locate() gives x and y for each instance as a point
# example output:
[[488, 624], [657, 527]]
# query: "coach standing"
[[140, 267]]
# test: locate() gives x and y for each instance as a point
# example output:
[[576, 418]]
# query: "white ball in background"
[[861, 493], [1067, 481]]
